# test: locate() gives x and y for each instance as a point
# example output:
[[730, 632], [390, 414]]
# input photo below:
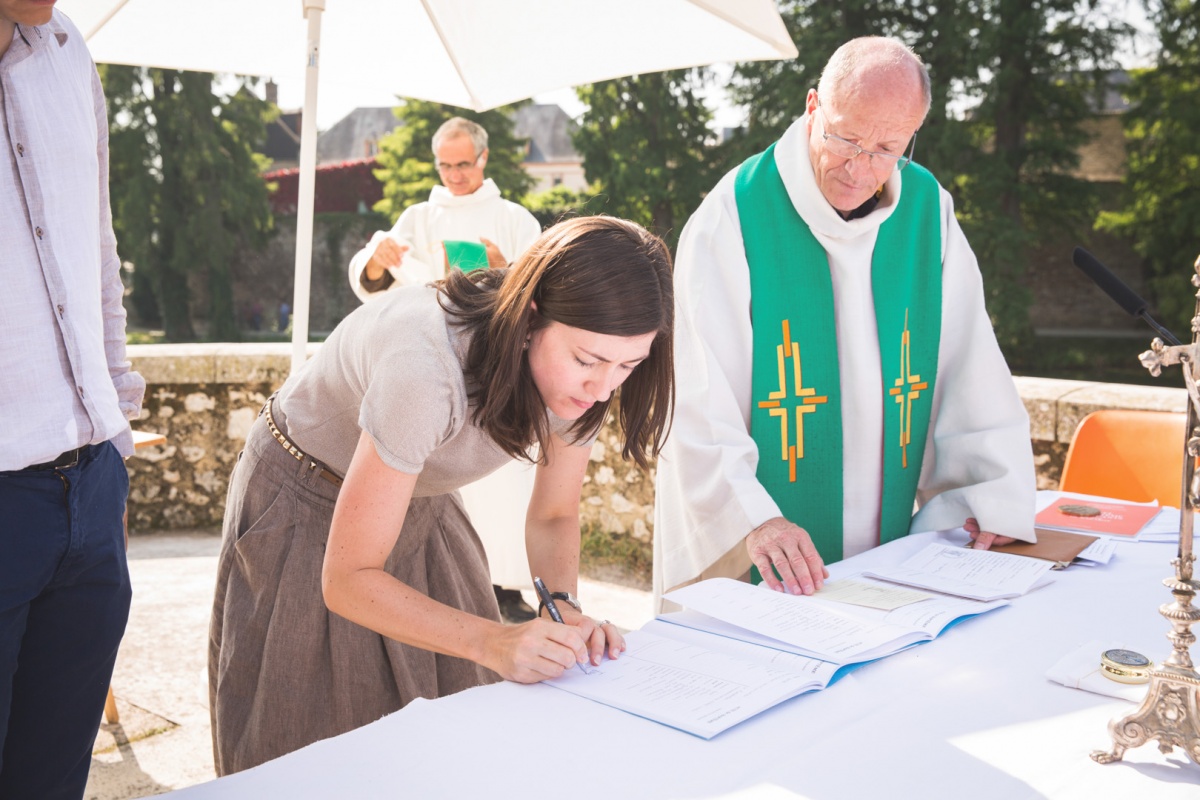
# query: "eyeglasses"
[[843, 148], [461, 166]]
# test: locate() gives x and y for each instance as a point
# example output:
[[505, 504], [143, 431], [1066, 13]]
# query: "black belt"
[[64, 461]]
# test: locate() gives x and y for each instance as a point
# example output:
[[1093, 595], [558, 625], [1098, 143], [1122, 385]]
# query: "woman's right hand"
[[535, 651]]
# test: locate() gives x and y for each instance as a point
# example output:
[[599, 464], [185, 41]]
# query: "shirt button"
[[20, 149], [80, 388], [38, 231], [61, 310]]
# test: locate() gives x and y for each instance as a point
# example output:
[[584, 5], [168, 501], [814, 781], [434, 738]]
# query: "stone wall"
[[204, 397]]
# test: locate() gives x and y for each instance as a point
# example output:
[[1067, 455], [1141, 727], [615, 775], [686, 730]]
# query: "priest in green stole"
[[836, 367]]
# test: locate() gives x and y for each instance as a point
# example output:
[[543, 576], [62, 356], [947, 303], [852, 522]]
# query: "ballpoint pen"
[[544, 596]]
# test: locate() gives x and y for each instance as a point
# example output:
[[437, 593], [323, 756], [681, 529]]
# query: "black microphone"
[[1115, 288]]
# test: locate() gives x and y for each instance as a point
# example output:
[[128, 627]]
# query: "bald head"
[[872, 97], [872, 68]]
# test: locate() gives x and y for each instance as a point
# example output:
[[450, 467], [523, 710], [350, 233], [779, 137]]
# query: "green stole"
[[796, 414]]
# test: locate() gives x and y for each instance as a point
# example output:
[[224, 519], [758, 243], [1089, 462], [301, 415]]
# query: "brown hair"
[[601, 274]]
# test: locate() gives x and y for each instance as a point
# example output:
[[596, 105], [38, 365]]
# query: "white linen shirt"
[[449, 217], [978, 457], [64, 379]]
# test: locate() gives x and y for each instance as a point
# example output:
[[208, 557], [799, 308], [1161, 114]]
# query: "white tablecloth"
[[969, 715]]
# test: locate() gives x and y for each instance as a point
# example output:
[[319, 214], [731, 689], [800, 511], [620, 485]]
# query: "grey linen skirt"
[[284, 671]]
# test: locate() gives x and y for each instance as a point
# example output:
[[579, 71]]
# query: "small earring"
[[525, 346]]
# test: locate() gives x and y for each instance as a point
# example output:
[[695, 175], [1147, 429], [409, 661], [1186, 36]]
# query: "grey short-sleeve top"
[[394, 368]]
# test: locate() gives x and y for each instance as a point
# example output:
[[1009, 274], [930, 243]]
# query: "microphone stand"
[[1170, 713], [1163, 332]]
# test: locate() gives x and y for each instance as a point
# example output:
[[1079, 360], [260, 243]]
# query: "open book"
[[697, 682], [838, 632], [705, 672]]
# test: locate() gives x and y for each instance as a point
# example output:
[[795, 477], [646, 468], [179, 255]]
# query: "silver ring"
[[602, 623]]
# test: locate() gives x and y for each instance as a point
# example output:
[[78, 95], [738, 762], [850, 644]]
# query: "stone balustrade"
[[204, 397]]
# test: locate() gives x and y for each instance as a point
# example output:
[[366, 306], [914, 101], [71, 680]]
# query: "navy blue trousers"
[[64, 601]]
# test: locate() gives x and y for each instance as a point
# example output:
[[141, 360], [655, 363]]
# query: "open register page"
[[699, 683], [739, 649]]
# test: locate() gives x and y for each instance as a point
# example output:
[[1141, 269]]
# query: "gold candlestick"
[[1170, 714]]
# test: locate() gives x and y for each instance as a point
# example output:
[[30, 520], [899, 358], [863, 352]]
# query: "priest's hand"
[[389, 253], [789, 549], [982, 540], [495, 257]]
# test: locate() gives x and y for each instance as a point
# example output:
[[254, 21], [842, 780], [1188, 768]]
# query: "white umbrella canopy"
[[476, 54]]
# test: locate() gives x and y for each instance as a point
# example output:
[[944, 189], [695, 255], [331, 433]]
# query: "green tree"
[[1162, 211], [1041, 69], [186, 191], [559, 203], [406, 154], [646, 147], [774, 92]]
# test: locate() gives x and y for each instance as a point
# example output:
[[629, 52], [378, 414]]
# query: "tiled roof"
[[548, 129]]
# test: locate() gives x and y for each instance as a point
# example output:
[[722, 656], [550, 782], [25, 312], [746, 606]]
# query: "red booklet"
[[1089, 516]]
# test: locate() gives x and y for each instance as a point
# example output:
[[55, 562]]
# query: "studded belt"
[[321, 470]]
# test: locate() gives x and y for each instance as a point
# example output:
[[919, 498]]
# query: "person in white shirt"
[[466, 207], [66, 395], [864, 378]]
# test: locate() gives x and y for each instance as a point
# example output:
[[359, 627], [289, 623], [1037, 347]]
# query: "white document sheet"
[[743, 648], [1098, 552], [976, 574], [1165, 527], [869, 594], [690, 686]]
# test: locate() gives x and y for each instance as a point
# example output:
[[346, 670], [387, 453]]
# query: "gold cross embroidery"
[[808, 397], [904, 400]]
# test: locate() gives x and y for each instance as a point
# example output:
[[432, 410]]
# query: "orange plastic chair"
[[1127, 455]]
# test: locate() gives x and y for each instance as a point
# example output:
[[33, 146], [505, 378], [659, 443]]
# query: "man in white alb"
[[864, 377], [466, 210]]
